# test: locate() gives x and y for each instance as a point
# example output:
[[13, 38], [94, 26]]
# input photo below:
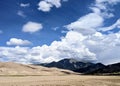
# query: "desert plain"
[[63, 80], [14, 74]]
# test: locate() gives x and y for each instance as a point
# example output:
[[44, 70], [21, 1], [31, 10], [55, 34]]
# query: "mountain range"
[[112, 69], [62, 67], [85, 67], [70, 64]]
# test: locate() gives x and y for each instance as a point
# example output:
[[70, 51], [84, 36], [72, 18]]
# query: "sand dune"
[[10, 68], [14, 74]]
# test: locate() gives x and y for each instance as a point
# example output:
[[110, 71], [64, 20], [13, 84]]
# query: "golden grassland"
[[64, 80]]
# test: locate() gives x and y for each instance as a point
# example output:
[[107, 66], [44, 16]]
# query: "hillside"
[[69, 64], [85, 67], [90, 68], [10, 68], [112, 69]]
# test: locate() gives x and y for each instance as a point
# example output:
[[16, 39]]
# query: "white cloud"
[[21, 13], [15, 41], [108, 1], [32, 27], [56, 3], [70, 46], [82, 42], [46, 5], [16, 54], [86, 24], [104, 14], [106, 47], [25, 5], [104, 5], [91, 22], [95, 47], [103, 46], [114, 26]]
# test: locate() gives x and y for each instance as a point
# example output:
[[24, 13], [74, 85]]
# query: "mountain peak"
[[71, 60], [70, 64]]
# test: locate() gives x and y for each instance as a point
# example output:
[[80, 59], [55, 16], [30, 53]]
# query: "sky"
[[39, 31]]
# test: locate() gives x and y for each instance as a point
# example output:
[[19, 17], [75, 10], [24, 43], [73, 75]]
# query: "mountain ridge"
[[85, 67], [112, 69], [70, 64]]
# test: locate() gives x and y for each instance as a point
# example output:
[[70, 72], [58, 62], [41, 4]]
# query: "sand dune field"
[[14, 74]]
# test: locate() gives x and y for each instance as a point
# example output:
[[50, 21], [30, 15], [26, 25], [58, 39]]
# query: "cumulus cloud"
[[21, 13], [15, 41], [86, 24], [95, 47], [13, 53], [32, 27], [106, 47], [103, 46], [70, 46], [46, 5], [91, 22], [82, 42], [56, 3], [25, 5]]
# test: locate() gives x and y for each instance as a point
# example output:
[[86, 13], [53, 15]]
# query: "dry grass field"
[[66, 80]]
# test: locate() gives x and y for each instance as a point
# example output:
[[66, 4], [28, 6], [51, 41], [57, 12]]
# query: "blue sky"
[[12, 23], [51, 30]]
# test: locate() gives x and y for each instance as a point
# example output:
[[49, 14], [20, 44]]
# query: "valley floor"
[[68, 80]]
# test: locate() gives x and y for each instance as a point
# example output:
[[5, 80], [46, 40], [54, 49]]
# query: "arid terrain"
[[13, 74], [15, 69], [68, 80]]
